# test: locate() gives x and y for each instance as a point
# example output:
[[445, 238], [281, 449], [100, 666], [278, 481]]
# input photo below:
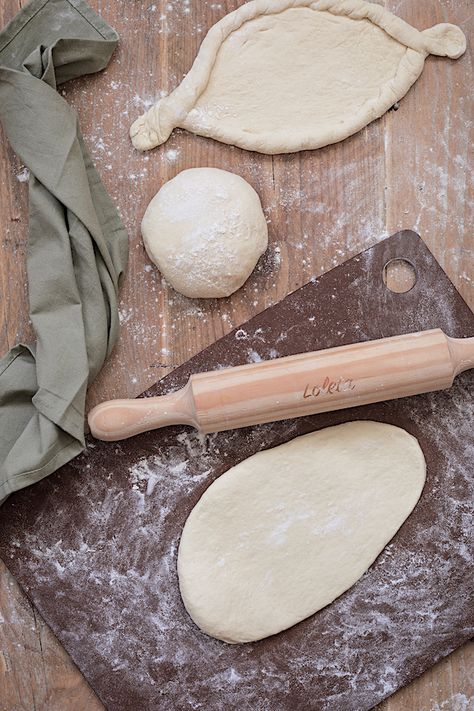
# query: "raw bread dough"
[[286, 75], [285, 532], [205, 230]]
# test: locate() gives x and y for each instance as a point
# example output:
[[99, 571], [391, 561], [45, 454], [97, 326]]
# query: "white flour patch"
[[23, 176], [253, 357], [171, 155]]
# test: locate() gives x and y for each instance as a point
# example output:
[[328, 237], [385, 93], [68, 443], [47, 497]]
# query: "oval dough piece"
[[289, 75], [205, 230], [285, 532]]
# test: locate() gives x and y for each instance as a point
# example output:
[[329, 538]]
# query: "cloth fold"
[[77, 248]]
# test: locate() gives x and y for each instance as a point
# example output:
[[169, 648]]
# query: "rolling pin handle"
[[462, 354], [119, 419]]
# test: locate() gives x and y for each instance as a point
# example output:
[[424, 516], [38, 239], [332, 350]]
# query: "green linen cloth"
[[77, 246]]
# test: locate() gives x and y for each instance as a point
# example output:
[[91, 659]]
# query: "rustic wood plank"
[[429, 149], [14, 324], [410, 169]]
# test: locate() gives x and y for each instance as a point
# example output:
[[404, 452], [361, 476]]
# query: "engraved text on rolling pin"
[[329, 387]]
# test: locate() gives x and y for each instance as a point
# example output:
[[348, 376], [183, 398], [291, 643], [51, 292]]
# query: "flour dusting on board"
[[124, 553]]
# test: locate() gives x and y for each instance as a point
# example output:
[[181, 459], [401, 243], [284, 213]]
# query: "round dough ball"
[[205, 230]]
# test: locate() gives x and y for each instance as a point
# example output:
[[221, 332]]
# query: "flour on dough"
[[278, 76], [205, 230], [285, 532]]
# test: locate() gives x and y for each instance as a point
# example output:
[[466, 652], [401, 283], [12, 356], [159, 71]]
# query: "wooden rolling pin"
[[295, 386]]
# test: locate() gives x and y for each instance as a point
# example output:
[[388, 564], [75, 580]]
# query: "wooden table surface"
[[411, 169]]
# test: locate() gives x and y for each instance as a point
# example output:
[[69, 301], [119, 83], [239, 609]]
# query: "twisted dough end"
[[142, 138], [445, 40], [152, 129]]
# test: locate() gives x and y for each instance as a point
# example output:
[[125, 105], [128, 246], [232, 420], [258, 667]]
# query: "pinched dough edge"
[[155, 126]]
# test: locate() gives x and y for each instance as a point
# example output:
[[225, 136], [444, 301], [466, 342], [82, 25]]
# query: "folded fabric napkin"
[[77, 247]]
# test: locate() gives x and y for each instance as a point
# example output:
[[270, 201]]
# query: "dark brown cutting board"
[[94, 546]]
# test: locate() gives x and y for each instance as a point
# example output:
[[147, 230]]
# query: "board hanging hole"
[[399, 275]]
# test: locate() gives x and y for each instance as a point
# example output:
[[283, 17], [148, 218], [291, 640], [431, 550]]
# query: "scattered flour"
[[457, 702]]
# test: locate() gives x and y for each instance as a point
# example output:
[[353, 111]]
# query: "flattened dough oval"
[[285, 532]]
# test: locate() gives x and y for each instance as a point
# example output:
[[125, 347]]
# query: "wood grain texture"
[[14, 323], [411, 169]]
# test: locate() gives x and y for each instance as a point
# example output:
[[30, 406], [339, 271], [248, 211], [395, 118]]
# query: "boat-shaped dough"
[[278, 76]]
